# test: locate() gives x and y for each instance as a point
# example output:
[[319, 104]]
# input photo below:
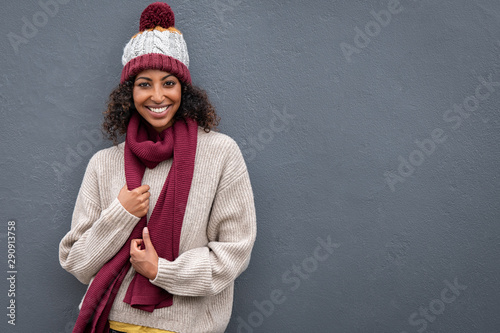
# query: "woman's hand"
[[145, 262], [136, 202]]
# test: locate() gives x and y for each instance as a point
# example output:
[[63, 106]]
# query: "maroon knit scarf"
[[144, 147]]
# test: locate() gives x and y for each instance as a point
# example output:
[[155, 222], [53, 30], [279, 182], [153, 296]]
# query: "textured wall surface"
[[370, 131]]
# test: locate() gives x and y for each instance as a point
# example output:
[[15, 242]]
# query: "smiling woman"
[[157, 97], [164, 222]]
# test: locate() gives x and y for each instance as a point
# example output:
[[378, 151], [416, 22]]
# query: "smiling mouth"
[[158, 110]]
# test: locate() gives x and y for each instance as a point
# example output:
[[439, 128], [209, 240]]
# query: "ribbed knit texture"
[[217, 235], [155, 61], [144, 147]]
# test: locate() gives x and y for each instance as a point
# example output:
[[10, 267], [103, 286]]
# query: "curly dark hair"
[[194, 104]]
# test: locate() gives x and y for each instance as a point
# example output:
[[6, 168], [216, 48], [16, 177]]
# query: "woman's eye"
[[169, 83], [143, 84]]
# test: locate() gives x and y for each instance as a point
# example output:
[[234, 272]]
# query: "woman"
[[170, 268]]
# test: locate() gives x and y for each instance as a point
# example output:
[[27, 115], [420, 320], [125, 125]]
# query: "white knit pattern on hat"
[[163, 42]]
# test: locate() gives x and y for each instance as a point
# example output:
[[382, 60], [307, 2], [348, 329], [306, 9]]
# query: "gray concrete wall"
[[370, 130]]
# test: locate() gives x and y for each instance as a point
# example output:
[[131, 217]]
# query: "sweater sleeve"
[[231, 232], [96, 234]]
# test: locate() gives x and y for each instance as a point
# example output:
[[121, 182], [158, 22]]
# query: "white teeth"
[[158, 110]]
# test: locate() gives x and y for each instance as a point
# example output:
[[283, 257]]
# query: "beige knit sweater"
[[217, 236]]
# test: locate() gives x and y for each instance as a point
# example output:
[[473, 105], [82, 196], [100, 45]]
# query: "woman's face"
[[157, 97]]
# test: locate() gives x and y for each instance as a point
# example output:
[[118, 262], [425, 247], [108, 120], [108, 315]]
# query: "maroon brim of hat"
[[156, 61]]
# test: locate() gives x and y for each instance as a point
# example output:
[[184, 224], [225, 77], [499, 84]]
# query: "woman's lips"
[[158, 111]]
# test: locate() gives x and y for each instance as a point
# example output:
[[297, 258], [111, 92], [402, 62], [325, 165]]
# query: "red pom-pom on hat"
[[157, 14]]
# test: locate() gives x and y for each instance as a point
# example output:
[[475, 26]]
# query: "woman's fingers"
[[141, 189], [136, 201], [135, 245], [144, 261], [148, 245]]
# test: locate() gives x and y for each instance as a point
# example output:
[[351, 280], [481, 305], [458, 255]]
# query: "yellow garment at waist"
[[130, 328]]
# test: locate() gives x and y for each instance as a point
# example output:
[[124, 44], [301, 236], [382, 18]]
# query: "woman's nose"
[[157, 96]]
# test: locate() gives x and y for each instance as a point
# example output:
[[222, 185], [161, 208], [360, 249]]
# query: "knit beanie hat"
[[158, 45]]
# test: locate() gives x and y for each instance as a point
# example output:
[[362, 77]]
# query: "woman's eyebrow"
[[147, 78]]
